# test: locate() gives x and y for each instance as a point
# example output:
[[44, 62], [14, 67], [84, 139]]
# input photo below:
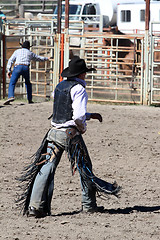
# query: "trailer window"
[[125, 16], [89, 9], [74, 11], [142, 15]]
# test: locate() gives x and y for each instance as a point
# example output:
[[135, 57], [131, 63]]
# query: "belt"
[[22, 64]]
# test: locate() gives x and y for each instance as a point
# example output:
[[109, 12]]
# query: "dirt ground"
[[125, 147]]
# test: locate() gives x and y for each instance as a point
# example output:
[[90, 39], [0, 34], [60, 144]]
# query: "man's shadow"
[[127, 210]]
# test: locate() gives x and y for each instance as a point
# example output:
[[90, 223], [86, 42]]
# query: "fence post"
[[1, 57], [62, 56], [146, 56], [21, 11], [4, 64], [101, 23], [66, 48], [66, 33], [57, 40]]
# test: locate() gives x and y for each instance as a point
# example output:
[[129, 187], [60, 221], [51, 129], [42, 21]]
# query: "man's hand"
[[9, 74], [80, 126], [96, 116]]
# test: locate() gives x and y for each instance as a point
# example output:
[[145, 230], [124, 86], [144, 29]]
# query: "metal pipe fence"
[[154, 69], [41, 35], [14, 7], [115, 79], [119, 76]]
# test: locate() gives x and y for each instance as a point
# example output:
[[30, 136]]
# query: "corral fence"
[[116, 80], [2, 60], [17, 8], [41, 35], [45, 42], [154, 65]]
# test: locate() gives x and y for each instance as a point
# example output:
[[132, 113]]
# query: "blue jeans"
[[17, 72], [43, 186]]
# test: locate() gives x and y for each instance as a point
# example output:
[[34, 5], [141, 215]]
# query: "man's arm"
[[80, 98], [10, 62], [39, 58]]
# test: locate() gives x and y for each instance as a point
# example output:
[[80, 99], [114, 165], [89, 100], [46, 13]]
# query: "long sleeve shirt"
[[23, 56], [79, 104]]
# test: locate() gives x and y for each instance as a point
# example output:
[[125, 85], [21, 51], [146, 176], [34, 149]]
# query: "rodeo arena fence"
[[123, 75]]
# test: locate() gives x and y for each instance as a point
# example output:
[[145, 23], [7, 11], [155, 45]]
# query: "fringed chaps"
[[29, 174], [79, 158]]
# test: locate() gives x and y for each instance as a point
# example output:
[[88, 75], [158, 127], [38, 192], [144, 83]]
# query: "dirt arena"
[[125, 148]]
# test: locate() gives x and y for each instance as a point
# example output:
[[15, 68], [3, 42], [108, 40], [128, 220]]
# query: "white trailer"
[[131, 16], [85, 9]]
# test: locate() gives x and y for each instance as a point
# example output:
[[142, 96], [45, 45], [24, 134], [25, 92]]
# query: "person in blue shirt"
[[21, 59], [2, 15]]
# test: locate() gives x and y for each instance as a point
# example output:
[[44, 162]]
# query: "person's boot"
[[33, 212], [7, 102], [93, 209], [30, 101]]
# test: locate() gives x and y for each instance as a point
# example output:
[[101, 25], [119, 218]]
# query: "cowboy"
[[22, 58], [68, 126]]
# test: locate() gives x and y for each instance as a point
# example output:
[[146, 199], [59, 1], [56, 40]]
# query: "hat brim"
[[67, 73]]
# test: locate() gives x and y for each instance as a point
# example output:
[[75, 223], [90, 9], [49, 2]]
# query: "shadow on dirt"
[[132, 209], [127, 210]]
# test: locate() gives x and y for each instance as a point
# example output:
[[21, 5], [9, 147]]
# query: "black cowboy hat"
[[25, 44], [76, 67]]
